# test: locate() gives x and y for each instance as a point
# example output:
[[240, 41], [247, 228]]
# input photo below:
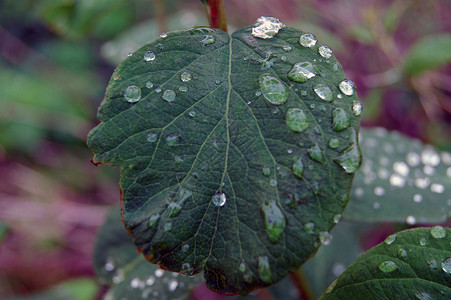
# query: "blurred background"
[[56, 58]]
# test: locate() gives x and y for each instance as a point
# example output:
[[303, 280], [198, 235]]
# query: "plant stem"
[[215, 12], [160, 11], [299, 279]]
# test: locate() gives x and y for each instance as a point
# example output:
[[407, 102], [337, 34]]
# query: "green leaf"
[[412, 264], [128, 273], [198, 123], [401, 180], [428, 53]]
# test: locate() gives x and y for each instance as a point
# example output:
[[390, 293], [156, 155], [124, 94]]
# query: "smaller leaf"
[[428, 53], [413, 264]]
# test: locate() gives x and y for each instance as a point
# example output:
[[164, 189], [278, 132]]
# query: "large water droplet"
[[446, 265], [307, 40], [324, 92], [438, 232], [153, 220], [301, 72], [168, 95], [347, 87], [219, 199], [273, 90], [350, 158], [315, 153], [264, 269], [325, 51], [186, 76], [296, 119], [149, 56], [298, 168], [208, 40], [387, 266], [274, 220], [266, 27], [132, 94], [390, 239], [340, 119], [171, 140]]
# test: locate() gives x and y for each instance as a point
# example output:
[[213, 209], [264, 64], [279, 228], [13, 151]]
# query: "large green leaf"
[[129, 274], [226, 163], [401, 180], [412, 264]]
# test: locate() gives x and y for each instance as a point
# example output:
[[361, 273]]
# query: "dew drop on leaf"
[[309, 227], [340, 119], [219, 199], [286, 48], [171, 140], [274, 220], [272, 89], [167, 226], [266, 27], [208, 40], [298, 168], [446, 265], [315, 153], [168, 95], [387, 266], [325, 51], [186, 269], [356, 108], [334, 143], [423, 242], [151, 137], [337, 219], [390, 239], [325, 237], [350, 158], [264, 269], [266, 171], [149, 84], [153, 220], [174, 209], [272, 182], [163, 35], [347, 87], [132, 94], [324, 92], [297, 120], [186, 76], [307, 40], [149, 56], [301, 72], [438, 232], [183, 89], [402, 253]]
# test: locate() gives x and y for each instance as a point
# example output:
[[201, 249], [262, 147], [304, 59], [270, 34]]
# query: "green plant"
[[237, 156]]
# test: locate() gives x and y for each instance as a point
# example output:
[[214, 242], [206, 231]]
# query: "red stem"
[[216, 15]]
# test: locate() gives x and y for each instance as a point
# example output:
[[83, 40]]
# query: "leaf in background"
[[412, 264], [129, 274], [428, 53], [401, 180], [238, 149]]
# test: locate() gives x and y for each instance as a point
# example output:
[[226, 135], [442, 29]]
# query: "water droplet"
[[266, 171], [132, 94], [150, 280], [307, 40], [337, 219], [413, 159], [402, 253], [158, 89], [325, 237], [272, 182], [310, 227], [134, 283], [186, 76], [325, 51], [334, 143], [118, 276], [153, 220], [173, 284], [185, 247], [356, 108], [437, 188], [401, 168], [151, 137], [340, 119], [266, 27], [186, 269], [163, 35], [315, 153], [350, 158], [167, 226], [422, 296], [347, 87], [446, 265], [390, 239], [242, 267], [438, 232], [268, 62], [192, 114], [423, 242], [298, 168], [183, 89], [174, 209], [287, 48], [149, 85], [324, 92], [388, 266], [331, 287], [376, 205], [264, 269], [149, 56], [274, 220], [411, 220], [417, 198], [109, 264], [171, 140], [422, 183], [208, 40], [301, 72], [379, 191], [430, 157], [272, 89], [219, 199], [397, 180], [297, 120], [168, 95], [289, 150]]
